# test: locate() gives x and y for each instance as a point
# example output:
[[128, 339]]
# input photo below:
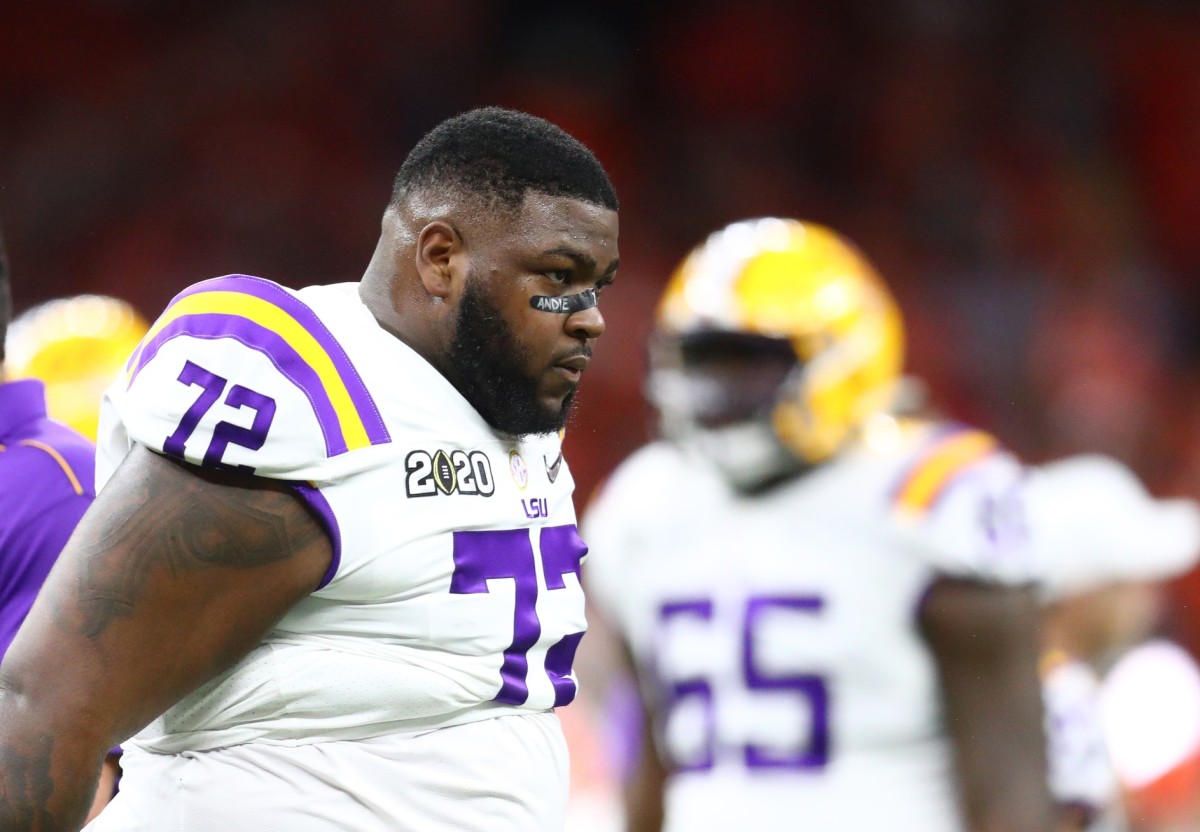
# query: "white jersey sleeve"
[[239, 373], [959, 507], [1092, 522]]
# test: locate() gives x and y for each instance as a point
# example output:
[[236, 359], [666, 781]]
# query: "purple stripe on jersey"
[[272, 293], [285, 358], [320, 507], [276, 295]]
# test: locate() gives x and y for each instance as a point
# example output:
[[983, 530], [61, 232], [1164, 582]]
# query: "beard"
[[487, 366]]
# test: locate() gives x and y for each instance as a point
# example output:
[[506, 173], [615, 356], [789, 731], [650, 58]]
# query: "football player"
[[1102, 541], [328, 582], [830, 610]]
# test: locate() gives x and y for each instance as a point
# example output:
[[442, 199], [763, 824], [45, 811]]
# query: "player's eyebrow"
[[583, 260]]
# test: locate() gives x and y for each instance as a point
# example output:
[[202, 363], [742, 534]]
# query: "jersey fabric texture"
[[486, 775], [453, 595], [45, 487], [778, 634]]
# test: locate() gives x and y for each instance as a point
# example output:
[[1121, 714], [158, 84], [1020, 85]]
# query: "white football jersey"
[[454, 592], [779, 632]]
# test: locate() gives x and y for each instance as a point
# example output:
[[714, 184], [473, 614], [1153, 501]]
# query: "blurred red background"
[[1025, 174]]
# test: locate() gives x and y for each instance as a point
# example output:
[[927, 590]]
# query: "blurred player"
[[1101, 539], [830, 610], [332, 579], [75, 346], [46, 485]]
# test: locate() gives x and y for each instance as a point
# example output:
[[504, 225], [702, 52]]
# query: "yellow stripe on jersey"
[[931, 474], [270, 316]]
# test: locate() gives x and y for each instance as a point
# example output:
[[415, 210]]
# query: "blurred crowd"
[[1025, 173]]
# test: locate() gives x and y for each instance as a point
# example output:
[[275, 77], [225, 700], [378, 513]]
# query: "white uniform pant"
[[505, 774]]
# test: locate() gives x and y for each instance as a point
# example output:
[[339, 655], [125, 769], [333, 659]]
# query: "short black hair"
[[5, 297], [501, 155]]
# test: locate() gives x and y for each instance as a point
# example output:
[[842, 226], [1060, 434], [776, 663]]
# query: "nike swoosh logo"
[[553, 468]]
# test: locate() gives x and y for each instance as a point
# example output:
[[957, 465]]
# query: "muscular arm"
[[172, 576], [647, 782], [605, 661], [984, 639]]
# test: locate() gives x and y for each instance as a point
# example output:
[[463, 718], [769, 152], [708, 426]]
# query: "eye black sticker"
[[566, 304]]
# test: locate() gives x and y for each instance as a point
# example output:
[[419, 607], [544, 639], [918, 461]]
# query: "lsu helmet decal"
[[801, 284], [77, 346]]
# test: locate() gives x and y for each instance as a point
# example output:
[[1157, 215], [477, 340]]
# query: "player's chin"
[[556, 400], [558, 385]]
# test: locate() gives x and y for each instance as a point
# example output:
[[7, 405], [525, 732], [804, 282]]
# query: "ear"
[[439, 258]]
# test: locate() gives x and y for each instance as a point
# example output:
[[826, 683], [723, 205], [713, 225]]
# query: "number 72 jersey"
[[454, 592]]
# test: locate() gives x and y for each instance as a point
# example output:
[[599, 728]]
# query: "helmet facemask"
[[717, 393]]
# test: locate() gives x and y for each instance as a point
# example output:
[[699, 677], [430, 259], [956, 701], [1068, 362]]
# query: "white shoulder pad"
[[958, 506], [1091, 522], [239, 373]]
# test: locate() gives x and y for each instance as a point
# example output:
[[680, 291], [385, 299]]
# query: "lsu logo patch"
[[448, 472]]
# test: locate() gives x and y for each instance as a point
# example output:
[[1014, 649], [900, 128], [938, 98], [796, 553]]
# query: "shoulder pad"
[[240, 364]]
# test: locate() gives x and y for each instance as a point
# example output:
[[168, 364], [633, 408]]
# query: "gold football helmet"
[[77, 346], [790, 283]]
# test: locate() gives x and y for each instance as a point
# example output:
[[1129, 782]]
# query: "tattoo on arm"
[[173, 575], [27, 785], [189, 530]]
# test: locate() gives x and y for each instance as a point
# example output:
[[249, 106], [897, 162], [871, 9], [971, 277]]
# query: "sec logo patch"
[[520, 472]]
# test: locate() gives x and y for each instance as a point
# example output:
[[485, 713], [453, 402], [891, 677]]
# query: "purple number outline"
[[808, 686], [697, 687], [212, 385], [251, 438], [490, 554]]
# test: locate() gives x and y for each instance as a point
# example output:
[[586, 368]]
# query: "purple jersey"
[[46, 484]]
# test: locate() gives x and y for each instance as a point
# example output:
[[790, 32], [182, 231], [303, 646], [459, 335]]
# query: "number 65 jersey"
[[453, 594], [777, 637]]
